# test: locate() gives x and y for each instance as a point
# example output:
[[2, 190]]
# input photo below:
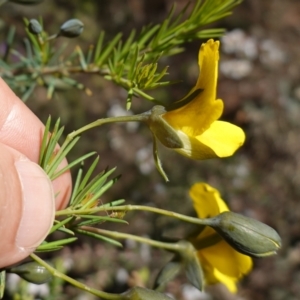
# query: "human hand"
[[27, 196]]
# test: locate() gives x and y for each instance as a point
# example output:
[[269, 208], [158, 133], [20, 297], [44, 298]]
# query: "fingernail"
[[38, 205]]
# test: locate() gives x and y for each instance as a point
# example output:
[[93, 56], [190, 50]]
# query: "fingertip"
[[27, 206], [38, 205]]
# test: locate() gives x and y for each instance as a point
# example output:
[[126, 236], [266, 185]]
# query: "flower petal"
[[223, 138], [220, 262], [226, 260], [207, 203], [200, 112], [195, 119], [213, 276], [207, 200], [208, 63]]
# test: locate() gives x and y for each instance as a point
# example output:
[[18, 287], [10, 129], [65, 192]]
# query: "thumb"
[[27, 206]]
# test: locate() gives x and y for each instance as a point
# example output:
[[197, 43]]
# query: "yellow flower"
[[220, 262], [196, 123]]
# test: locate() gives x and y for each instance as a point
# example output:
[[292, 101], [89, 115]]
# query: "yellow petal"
[[195, 119], [208, 63], [200, 112], [226, 260], [207, 203], [220, 262], [207, 200], [213, 276], [223, 138]]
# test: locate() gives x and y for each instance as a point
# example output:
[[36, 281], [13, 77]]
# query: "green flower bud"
[[32, 272], [247, 235], [26, 2], [71, 28], [138, 293], [34, 26]]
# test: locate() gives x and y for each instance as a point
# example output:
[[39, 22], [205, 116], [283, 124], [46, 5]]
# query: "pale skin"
[[27, 201]]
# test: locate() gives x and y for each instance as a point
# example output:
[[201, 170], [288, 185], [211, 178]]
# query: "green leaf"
[[56, 244], [104, 55], [59, 224], [99, 237], [99, 46]]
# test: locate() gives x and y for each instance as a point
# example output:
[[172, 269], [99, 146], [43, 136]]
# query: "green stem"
[[125, 208], [76, 283], [71, 136], [120, 235], [134, 118]]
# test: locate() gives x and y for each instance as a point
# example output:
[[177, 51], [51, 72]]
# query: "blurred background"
[[259, 83]]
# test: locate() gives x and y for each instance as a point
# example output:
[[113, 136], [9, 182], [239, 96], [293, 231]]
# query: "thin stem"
[[71, 136], [125, 208], [120, 235], [76, 283], [134, 118]]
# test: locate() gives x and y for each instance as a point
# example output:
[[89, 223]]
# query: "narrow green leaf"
[[57, 54], [28, 49], [179, 16], [99, 192], [29, 91], [52, 144], [89, 173], [128, 44], [89, 54], [77, 184], [60, 224], [94, 185], [103, 56], [133, 63], [99, 46], [100, 237], [113, 203], [50, 249], [44, 141], [56, 244], [50, 91], [59, 156], [145, 36], [81, 58], [72, 164], [92, 220], [65, 230]]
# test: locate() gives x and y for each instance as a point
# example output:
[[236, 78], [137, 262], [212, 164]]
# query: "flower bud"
[[247, 235], [32, 272], [34, 26], [71, 28], [138, 293], [26, 2]]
